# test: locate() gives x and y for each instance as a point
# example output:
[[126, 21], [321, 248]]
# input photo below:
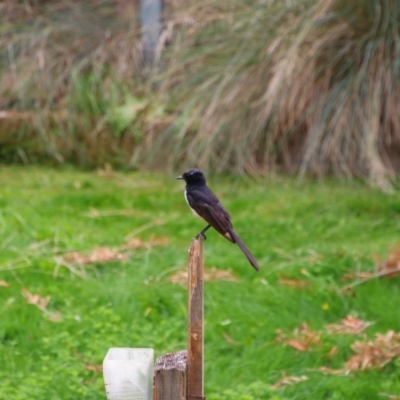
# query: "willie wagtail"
[[205, 204]]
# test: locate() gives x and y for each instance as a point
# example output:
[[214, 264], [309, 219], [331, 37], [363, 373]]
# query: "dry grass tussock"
[[66, 64], [309, 86], [304, 86]]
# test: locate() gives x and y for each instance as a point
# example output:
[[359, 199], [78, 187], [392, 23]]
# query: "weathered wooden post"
[[170, 377], [195, 374]]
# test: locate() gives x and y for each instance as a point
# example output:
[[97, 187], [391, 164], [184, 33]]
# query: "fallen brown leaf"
[[136, 243], [95, 368], [302, 338], [210, 274], [374, 353], [99, 255], [288, 381], [331, 371], [333, 351], [298, 345], [214, 274], [389, 267], [293, 282], [359, 275], [363, 277], [35, 299], [349, 325], [4, 284], [41, 303]]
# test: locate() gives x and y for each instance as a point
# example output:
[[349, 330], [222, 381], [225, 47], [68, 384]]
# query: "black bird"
[[205, 204]]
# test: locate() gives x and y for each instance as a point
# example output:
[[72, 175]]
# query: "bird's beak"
[[180, 177]]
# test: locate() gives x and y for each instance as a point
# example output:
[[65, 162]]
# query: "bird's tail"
[[245, 250]]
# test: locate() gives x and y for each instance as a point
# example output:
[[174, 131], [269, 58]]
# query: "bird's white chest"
[[194, 212]]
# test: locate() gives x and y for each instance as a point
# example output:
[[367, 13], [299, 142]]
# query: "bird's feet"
[[201, 234]]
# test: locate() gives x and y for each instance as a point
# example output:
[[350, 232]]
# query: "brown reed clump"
[[301, 86], [310, 87]]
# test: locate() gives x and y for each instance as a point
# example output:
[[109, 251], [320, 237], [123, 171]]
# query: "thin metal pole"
[[151, 18]]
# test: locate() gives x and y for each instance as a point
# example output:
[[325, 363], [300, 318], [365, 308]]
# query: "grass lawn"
[[59, 314]]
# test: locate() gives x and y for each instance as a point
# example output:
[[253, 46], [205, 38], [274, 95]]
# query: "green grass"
[[315, 231]]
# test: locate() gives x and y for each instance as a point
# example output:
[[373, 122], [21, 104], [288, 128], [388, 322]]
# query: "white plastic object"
[[128, 373]]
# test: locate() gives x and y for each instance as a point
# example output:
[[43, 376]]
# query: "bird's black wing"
[[207, 206]]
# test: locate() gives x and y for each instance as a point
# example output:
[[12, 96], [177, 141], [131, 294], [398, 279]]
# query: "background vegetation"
[[301, 86], [96, 260], [311, 86], [92, 260]]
